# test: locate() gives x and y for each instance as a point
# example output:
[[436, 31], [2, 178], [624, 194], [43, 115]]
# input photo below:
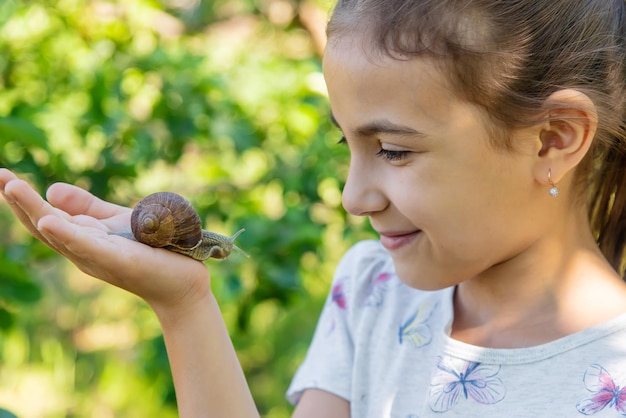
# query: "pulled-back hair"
[[509, 57]]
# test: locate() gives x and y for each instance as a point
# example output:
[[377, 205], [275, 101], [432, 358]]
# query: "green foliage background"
[[222, 101]]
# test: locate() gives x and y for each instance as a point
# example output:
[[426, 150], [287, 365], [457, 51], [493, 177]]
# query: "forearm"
[[207, 375]]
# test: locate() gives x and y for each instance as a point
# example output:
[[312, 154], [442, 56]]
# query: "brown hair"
[[509, 57]]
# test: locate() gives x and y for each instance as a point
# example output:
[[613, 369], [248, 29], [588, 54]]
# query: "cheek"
[[475, 234], [462, 220]]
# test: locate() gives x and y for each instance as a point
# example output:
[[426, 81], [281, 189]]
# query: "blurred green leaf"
[[20, 130], [6, 321]]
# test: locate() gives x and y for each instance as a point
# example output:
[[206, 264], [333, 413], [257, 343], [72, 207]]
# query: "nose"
[[363, 194]]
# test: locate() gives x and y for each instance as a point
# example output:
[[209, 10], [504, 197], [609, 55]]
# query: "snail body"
[[167, 220], [213, 245]]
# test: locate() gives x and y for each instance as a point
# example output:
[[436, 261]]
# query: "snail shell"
[[166, 219]]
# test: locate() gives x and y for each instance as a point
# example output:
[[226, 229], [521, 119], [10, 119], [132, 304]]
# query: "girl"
[[489, 152]]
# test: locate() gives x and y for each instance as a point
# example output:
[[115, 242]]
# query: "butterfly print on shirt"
[[416, 331], [338, 295], [605, 392], [338, 302], [379, 287], [456, 379]]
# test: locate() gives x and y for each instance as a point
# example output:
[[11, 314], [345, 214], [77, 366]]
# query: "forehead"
[[361, 80]]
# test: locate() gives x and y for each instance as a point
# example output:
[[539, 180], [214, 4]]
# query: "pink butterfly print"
[[338, 296], [339, 300], [378, 289], [454, 378], [605, 392]]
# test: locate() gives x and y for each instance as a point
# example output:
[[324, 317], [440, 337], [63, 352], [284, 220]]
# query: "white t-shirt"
[[385, 347]]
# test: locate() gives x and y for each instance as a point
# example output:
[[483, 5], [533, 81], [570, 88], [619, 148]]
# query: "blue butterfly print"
[[415, 330], [454, 378], [606, 393]]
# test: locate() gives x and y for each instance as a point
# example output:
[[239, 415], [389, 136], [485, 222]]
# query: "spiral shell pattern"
[[166, 219]]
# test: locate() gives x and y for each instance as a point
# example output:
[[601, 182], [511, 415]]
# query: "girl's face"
[[447, 205]]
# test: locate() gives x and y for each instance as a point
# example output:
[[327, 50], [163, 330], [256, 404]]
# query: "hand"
[[75, 224]]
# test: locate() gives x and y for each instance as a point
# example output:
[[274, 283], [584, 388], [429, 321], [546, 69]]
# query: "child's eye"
[[391, 155], [342, 140]]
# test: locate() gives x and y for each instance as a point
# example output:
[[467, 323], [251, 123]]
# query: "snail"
[[167, 220]]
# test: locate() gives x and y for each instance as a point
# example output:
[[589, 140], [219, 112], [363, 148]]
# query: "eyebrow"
[[380, 126]]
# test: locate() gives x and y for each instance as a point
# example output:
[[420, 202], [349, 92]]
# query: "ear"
[[567, 134]]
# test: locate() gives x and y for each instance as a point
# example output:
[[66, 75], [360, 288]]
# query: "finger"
[[28, 206], [29, 201], [5, 177], [77, 201], [20, 214], [72, 240], [68, 239]]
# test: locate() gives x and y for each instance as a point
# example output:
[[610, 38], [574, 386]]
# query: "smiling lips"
[[395, 240]]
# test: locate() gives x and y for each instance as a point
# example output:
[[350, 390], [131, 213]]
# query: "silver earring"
[[554, 191]]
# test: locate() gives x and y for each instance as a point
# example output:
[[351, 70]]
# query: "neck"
[[548, 291]]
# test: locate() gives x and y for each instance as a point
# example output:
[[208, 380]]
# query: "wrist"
[[193, 301]]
